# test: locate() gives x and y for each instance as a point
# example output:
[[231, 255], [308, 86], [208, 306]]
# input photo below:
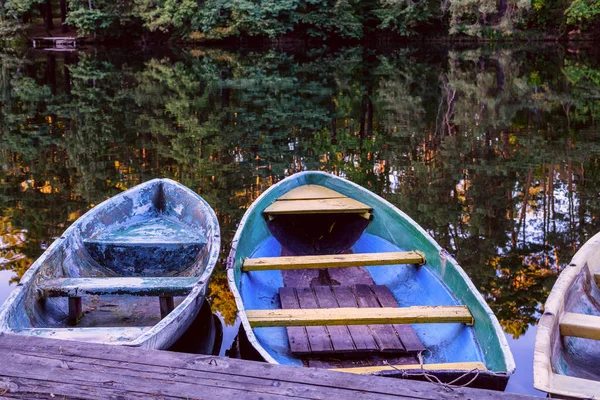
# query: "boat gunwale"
[[147, 339], [503, 343], [543, 374]]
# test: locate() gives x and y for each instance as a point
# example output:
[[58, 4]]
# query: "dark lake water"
[[494, 151]]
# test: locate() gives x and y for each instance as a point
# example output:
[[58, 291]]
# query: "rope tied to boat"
[[434, 379]]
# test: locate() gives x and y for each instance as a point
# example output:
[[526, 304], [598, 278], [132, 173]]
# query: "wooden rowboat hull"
[[109, 268], [440, 282], [567, 345]]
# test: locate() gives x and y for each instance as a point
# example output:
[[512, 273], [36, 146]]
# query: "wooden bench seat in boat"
[[74, 288], [136, 286], [100, 335], [580, 325], [346, 337], [333, 261], [315, 199]]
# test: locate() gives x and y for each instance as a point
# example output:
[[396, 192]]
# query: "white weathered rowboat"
[[567, 345], [132, 271]]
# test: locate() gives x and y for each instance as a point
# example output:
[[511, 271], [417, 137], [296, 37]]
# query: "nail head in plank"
[[318, 336], [297, 335], [307, 192], [580, 325], [361, 336], [407, 334], [340, 336], [333, 261], [360, 316], [458, 366], [344, 205], [384, 335]]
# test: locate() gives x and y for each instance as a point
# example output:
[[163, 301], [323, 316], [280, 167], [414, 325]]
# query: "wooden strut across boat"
[[567, 346], [131, 271], [319, 274]]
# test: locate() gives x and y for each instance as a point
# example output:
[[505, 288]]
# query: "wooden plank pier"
[[35, 367]]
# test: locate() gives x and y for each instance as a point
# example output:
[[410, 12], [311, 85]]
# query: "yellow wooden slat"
[[580, 325], [344, 205], [597, 277], [333, 261], [457, 366], [307, 192], [359, 316]]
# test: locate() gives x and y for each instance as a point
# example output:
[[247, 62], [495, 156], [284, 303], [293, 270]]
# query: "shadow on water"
[[493, 150]]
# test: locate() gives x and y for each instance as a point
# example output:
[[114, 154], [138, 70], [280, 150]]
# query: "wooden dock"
[[33, 367]]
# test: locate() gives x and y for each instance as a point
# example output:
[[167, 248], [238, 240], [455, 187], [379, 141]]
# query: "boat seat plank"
[[297, 335], [344, 205], [318, 336], [333, 261], [360, 316], [580, 325], [361, 336], [98, 335], [137, 286], [340, 336], [406, 333], [385, 335], [597, 277], [456, 366], [307, 192]]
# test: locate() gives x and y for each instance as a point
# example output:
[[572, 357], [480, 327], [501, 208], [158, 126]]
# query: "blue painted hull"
[[440, 282], [157, 229]]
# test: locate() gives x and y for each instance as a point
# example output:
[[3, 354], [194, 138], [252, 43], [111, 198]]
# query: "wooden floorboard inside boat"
[[47, 368], [347, 341]]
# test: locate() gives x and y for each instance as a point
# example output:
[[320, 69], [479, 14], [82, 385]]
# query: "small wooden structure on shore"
[[36, 367], [63, 43]]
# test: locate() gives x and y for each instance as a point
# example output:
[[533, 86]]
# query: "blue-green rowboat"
[[289, 222]]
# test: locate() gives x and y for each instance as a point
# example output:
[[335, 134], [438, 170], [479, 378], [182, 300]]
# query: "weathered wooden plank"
[[340, 336], [104, 334], [361, 336], [140, 286], [385, 336], [407, 334], [297, 335], [344, 205], [211, 375], [359, 316], [333, 261], [318, 336], [570, 385], [580, 325], [307, 192], [457, 366]]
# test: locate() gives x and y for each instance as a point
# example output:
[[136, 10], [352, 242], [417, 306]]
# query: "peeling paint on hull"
[[157, 229]]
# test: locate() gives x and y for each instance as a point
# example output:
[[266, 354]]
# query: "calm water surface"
[[494, 151]]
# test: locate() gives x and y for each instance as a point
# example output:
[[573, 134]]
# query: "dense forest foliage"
[[499, 146], [302, 19]]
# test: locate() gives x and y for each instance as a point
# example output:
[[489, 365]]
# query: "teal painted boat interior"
[[440, 281], [159, 229]]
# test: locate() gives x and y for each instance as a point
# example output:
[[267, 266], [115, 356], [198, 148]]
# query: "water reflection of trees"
[[492, 151]]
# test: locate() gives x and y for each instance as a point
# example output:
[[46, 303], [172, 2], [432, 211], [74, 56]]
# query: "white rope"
[[434, 379]]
